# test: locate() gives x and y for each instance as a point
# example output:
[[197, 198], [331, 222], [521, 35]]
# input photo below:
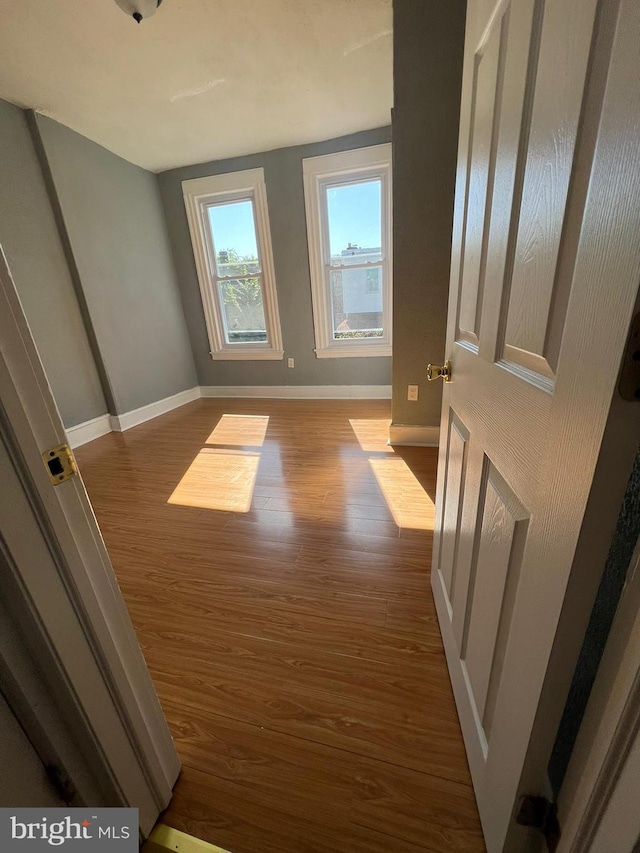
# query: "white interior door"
[[545, 271]]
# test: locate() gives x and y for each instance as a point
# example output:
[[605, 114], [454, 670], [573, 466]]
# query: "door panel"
[[484, 108], [499, 430], [452, 504], [483, 558], [543, 282], [552, 135], [496, 563]]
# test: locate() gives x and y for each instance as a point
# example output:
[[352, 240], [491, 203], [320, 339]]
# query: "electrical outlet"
[[412, 393], [291, 362]]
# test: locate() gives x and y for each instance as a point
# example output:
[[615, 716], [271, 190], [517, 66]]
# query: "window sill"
[[378, 350], [248, 355]]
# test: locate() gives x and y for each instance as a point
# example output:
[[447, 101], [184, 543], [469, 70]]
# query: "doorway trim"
[[609, 734], [63, 579]]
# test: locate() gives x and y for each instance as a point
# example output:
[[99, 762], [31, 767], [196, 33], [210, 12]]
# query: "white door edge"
[[64, 514]]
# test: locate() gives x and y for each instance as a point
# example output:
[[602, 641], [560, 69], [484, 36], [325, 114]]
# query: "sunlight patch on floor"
[[240, 430], [372, 434], [408, 502], [219, 479]]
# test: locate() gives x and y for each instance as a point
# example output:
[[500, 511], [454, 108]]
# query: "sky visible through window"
[[354, 217], [233, 228]]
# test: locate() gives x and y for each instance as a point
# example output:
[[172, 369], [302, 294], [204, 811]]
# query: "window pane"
[[243, 311], [356, 299], [234, 238], [355, 222]]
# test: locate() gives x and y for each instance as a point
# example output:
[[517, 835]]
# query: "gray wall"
[[113, 219], [283, 177], [30, 239], [428, 52]]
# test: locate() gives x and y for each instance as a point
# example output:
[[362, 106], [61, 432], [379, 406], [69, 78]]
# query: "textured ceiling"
[[201, 79]]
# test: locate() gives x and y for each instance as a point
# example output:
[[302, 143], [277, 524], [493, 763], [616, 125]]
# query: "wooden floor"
[[274, 556]]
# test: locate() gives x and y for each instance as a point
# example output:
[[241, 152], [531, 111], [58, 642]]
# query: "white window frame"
[[346, 167], [199, 194]]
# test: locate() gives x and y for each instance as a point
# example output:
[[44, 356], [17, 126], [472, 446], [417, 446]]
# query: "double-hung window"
[[229, 224], [348, 207]]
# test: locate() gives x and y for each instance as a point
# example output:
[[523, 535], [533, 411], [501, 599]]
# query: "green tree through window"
[[244, 292]]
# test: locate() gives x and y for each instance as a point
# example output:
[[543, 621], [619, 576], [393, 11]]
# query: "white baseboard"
[[300, 392], [422, 436], [88, 431], [120, 423]]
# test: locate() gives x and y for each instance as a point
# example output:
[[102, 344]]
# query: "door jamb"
[[29, 424], [610, 728]]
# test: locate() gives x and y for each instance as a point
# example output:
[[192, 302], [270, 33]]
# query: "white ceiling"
[[201, 79]]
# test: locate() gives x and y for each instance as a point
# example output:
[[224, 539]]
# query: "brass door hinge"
[[60, 463], [540, 813]]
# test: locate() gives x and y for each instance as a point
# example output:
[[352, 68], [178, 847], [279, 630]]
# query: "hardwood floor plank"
[[295, 668], [352, 535], [345, 638], [259, 595], [274, 556], [380, 564], [422, 739], [300, 576], [252, 822], [272, 762], [212, 540], [409, 615]]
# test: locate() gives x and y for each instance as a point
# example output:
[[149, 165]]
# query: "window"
[[348, 204], [229, 225]]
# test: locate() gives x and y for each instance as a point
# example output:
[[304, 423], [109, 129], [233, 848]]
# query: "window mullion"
[[366, 266], [246, 277]]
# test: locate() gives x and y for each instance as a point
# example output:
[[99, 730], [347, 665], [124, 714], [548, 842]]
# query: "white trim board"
[[88, 431], [421, 436], [60, 580], [200, 195], [120, 423], [319, 175], [300, 392]]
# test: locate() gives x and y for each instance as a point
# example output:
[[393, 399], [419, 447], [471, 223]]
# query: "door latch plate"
[[60, 463]]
